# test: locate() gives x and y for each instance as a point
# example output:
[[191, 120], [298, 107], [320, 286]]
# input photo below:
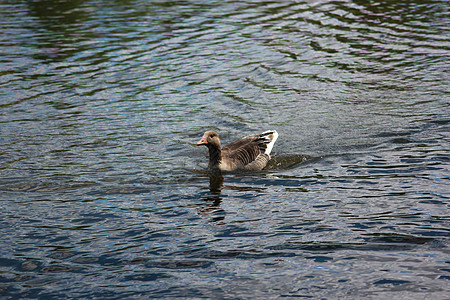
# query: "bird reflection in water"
[[214, 199], [215, 183]]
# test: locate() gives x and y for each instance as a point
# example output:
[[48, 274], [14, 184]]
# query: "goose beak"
[[203, 141]]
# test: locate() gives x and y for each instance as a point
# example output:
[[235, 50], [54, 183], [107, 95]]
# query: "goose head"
[[210, 139]]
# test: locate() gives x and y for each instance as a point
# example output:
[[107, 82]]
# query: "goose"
[[249, 153]]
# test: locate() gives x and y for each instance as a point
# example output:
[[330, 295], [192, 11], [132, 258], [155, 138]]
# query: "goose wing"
[[251, 152]]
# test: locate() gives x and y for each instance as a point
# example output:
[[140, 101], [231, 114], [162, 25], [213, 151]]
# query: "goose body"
[[249, 153]]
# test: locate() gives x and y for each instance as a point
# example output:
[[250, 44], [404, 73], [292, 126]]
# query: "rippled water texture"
[[105, 195]]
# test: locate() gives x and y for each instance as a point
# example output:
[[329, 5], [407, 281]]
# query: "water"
[[105, 195]]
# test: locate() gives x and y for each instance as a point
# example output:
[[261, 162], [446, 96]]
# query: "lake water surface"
[[105, 195]]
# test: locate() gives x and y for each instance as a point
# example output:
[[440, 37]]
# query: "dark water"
[[105, 195]]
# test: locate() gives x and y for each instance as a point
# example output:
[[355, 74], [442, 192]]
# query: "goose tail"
[[271, 137]]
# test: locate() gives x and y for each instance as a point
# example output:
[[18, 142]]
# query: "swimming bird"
[[249, 153]]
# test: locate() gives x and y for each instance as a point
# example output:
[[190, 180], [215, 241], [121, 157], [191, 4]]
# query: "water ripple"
[[103, 187]]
